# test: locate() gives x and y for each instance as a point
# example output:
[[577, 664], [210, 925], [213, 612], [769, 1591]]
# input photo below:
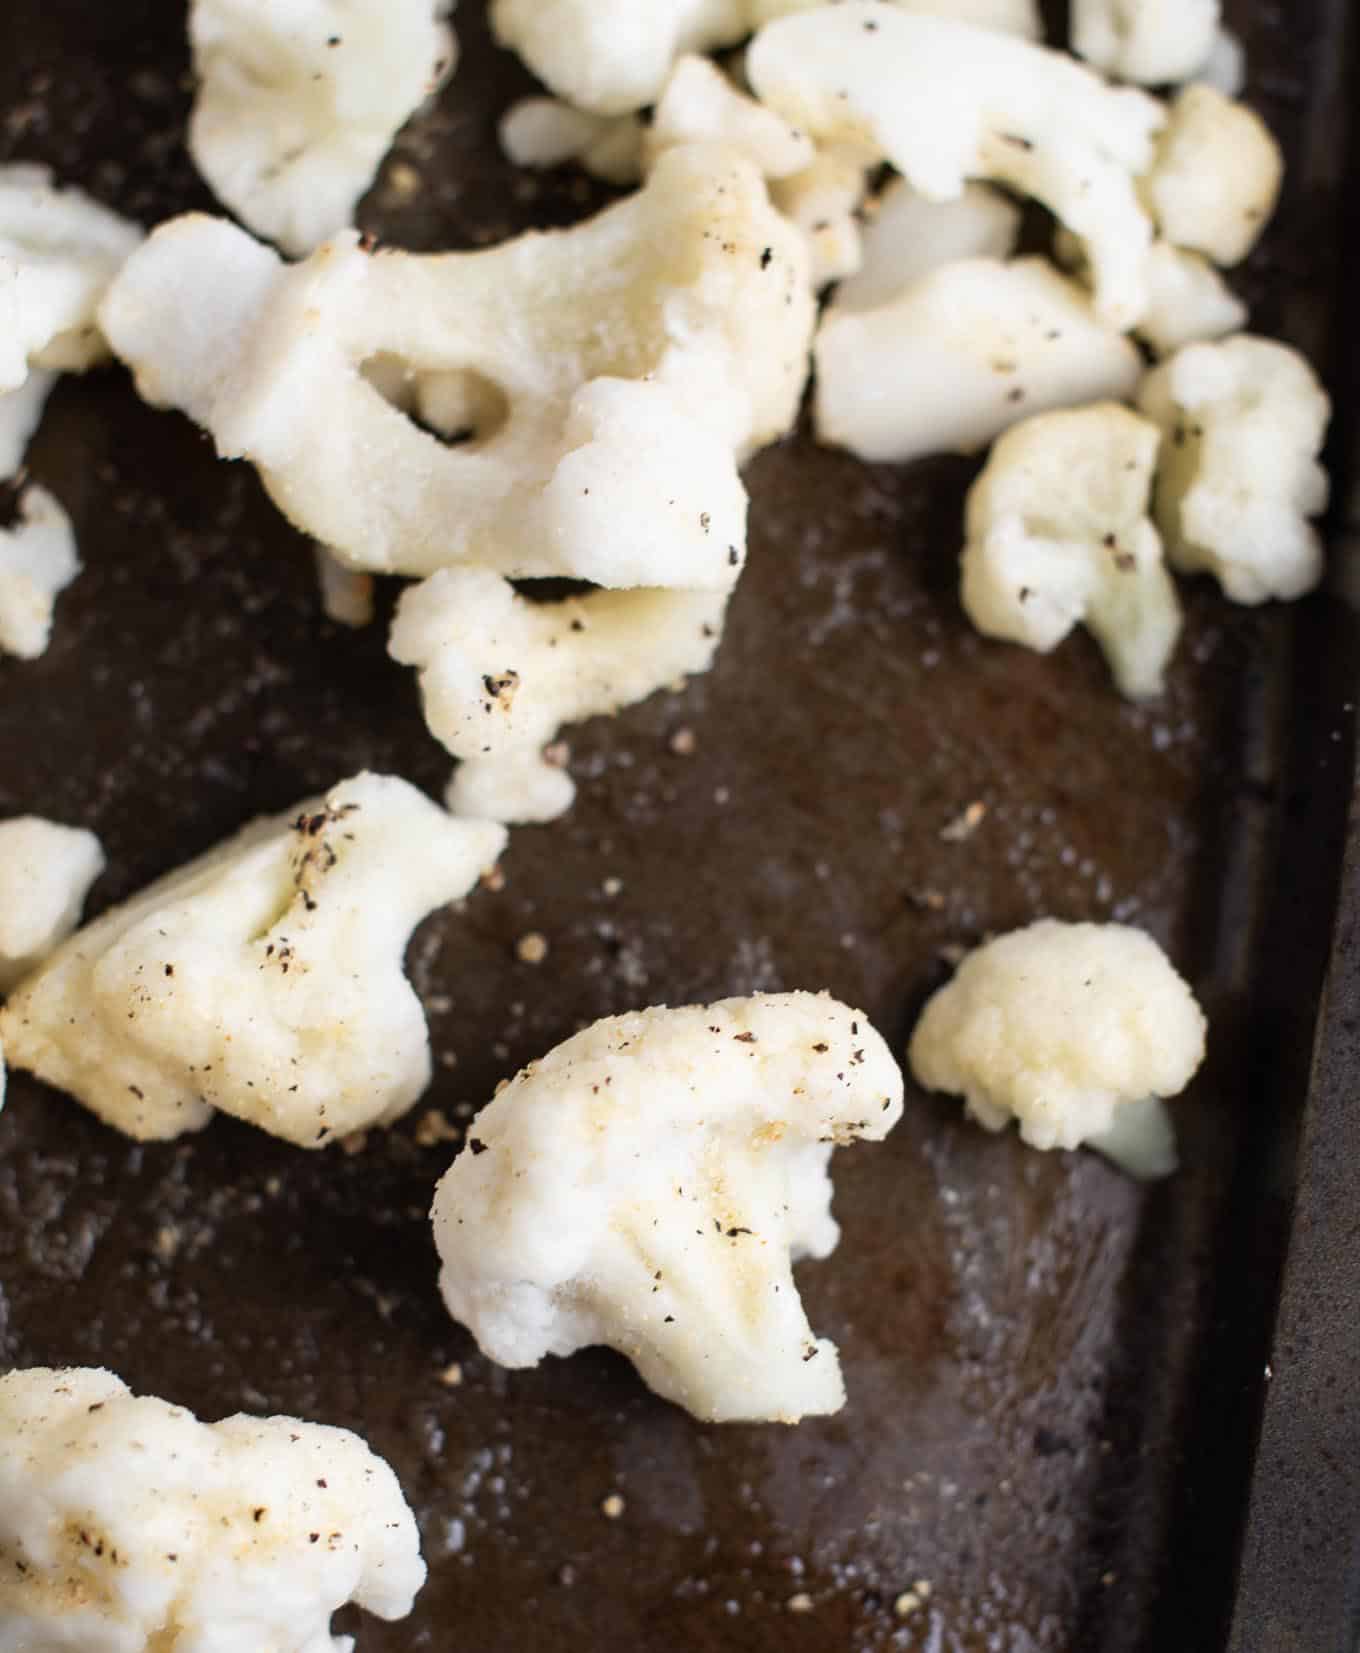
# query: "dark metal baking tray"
[[1056, 1377]]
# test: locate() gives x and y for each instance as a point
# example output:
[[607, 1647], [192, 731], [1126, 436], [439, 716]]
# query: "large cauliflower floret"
[[264, 979], [58, 252], [500, 673], [1009, 16], [299, 100], [1156, 42], [45, 874], [1216, 177], [38, 560], [945, 103], [648, 1184], [1077, 1031], [126, 1526], [613, 56], [1059, 536], [1243, 423], [962, 354], [597, 370]]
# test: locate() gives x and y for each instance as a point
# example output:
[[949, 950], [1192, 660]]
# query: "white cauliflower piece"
[[1243, 423], [945, 103], [127, 1526], [1077, 1031], [823, 201], [499, 673], [58, 252], [1058, 535], [264, 978], [964, 353], [1190, 302], [701, 105], [299, 100], [906, 237], [633, 356], [613, 56], [647, 1185], [545, 132], [1020, 17], [1216, 177], [519, 786], [346, 597], [1225, 68], [45, 874], [38, 560], [1155, 42]]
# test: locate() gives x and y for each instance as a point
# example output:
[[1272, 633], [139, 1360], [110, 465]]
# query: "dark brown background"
[[1053, 1375]]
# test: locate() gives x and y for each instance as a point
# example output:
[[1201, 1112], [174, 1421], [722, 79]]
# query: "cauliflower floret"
[[126, 1526], [906, 237], [823, 202], [545, 132], [1058, 535], [499, 673], [38, 560], [1152, 41], [264, 978], [521, 786], [633, 355], [1077, 1031], [1009, 16], [964, 353], [647, 1185], [1243, 423], [45, 874], [58, 252], [701, 105], [1190, 302], [613, 56], [945, 103], [299, 100], [1216, 177]]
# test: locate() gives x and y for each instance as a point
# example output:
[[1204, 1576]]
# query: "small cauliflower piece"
[[500, 674], [611, 57], [606, 371], [521, 787], [58, 252], [1190, 302], [545, 132], [45, 874], [1058, 535], [1216, 177], [946, 103], [38, 560], [1155, 42], [1020, 17], [1225, 68], [965, 352], [299, 100], [1243, 423], [701, 105], [128, 1526], [1076, 1031], [823, 202], [264, 979], [648, 1184], [906, 237]]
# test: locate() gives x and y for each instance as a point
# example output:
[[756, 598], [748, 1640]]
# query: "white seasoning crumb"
[[448, 1059], [353, 1142], [273, 1187], [434, 1128], [494, 879], [1107, 1579], [532, 948], [612, 886], [403, 179], [439, 1004], [683, 743], [452, 1375], [720, 795], [963, 826], [801, 1603], [906, 1604], [167, 1243], [922, 1588], [612, 1507]]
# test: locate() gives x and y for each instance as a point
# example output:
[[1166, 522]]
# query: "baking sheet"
[[1054, 1376]]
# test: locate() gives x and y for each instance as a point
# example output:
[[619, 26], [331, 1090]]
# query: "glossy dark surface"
[[1054, 1375]]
